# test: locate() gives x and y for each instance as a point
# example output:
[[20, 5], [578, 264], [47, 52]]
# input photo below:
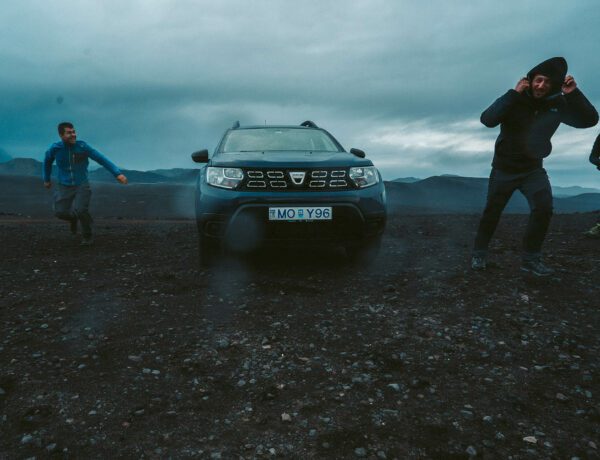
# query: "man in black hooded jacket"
[[595, 154], [528, 117], [594, 232]]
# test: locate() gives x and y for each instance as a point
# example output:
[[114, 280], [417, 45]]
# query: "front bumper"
[[238, 216]]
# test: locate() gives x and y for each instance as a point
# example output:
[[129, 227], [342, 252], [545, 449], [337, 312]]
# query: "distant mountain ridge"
[[436, 194], [455, 194], [407, 180], [557, 191], [32, 167], [573, 190]]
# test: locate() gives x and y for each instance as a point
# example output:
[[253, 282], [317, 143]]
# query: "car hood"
[[287, 159]]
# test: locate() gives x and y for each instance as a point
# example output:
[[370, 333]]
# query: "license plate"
[[301, 213]]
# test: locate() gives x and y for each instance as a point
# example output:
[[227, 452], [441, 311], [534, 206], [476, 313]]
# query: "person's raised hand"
[[522, 85], [122, 179], [569, 85]]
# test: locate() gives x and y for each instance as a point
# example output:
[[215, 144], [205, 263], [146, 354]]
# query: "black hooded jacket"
[[527, 124], [596, 147], [595, 155]]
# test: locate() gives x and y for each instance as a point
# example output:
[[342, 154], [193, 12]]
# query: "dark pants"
[[72, 202], [536, 188]]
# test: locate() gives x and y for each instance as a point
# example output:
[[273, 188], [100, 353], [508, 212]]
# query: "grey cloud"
[[149, 81]]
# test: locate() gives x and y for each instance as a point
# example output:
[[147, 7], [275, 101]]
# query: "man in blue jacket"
[[72, 197], [528, 116]]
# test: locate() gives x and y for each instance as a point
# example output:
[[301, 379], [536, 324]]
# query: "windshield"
[[272, 139]]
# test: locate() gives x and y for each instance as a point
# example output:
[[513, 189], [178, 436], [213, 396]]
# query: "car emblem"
[[297, 177]]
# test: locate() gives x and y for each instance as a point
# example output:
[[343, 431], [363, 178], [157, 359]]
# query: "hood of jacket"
[[555, 69]]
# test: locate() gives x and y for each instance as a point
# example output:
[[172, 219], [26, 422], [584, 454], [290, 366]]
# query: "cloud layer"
[[147, 82]]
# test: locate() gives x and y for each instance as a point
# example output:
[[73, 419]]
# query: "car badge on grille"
[[297, 177]]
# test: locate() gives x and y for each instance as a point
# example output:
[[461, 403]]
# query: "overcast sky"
[[147, 82]]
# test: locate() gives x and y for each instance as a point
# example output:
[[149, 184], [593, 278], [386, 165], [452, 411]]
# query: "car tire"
[[364, 253]]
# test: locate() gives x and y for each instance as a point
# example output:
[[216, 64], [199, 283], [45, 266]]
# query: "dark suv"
[[287, 184]]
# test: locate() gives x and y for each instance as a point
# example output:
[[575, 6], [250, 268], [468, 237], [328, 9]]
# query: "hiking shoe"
[[593, 232], [536, 267], [87, 241], [73, 225], [478, 263]]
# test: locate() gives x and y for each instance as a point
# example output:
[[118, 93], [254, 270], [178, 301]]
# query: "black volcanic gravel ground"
[[126, 349]]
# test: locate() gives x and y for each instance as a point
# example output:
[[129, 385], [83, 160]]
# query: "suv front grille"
[[296, 179]]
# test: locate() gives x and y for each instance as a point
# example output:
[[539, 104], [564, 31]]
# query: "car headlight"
[[224, 177], [364, 176]]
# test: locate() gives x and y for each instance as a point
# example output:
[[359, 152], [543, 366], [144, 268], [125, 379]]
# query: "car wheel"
[[364, 253]]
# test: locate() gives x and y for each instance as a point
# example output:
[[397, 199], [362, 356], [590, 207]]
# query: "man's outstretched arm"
[[102, 160]]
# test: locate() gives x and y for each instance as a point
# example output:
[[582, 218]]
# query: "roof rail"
[[236, 125], [309, 124]]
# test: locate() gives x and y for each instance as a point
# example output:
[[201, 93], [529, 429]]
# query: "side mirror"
[[201, 156], [358, 152]]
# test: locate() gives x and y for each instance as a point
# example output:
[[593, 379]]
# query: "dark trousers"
[[536, 188], [72, 202]]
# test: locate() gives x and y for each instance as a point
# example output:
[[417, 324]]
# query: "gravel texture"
[[127, 349]]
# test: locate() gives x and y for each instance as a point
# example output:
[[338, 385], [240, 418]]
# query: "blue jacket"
[[72, 162]]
